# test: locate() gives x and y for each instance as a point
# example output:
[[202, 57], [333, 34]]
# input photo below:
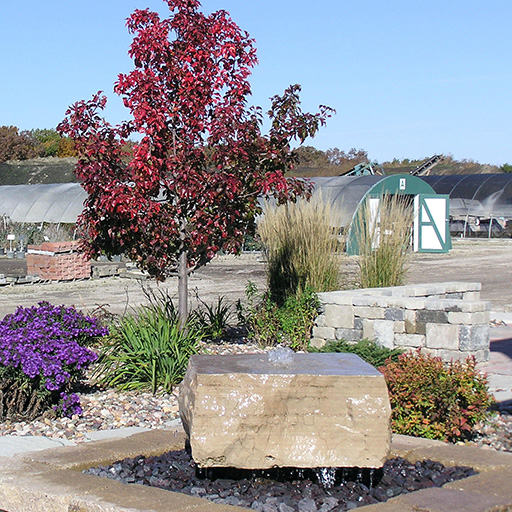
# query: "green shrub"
[[270, 324], [148, 350], [296, 319], [259, 315], [383, 239], [368, 350], [433, 399]]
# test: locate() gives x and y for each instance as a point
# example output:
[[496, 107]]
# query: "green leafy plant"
[[270, 324], [148, 350], [159, 300], [296, 319], [259, 315], [368, 350], [433, 399], [215, 318], [383, 239]]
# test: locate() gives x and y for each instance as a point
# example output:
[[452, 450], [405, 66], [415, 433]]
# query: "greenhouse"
[[479, 203], [60, 203], [348, 194]]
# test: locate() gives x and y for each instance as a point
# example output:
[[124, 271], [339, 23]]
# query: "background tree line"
[[19, 145], [336, 162], [25, 144]]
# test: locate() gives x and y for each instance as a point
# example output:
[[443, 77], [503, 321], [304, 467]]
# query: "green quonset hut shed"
[[347, 194]]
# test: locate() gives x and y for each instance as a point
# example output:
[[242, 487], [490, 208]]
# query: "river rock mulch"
[[176, 471], [106, 409], [495, 433]]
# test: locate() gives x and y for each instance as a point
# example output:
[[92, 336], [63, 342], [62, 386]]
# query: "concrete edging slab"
[[51, 480]]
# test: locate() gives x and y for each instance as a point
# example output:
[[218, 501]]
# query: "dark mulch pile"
[[176, 471]]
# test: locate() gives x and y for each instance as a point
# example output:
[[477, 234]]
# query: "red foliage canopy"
[[193, 182]]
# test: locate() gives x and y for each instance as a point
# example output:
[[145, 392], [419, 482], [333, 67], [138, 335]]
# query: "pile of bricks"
[[444, 319], [57, 261]]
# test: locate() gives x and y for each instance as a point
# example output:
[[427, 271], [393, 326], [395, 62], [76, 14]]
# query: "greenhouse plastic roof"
[[345, 193], [54, 203], [479, 195]]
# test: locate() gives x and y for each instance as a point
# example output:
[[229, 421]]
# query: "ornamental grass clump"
[[43, 354], [149, 349], [302, 245], [383, 236]]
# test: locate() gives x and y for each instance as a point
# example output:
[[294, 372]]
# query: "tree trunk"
[[183, 282]]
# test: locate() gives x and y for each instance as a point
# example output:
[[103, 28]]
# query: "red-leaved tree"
[[192, 185]]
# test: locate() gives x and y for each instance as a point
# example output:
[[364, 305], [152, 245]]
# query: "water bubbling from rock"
[[281, 356]]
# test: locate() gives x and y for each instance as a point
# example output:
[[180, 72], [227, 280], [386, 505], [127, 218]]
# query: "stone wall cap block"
[[370, 300], [424, 290], [462, 286], [341, 298]]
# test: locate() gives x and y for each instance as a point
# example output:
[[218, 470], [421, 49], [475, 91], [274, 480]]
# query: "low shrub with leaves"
[[259, 315], [368, 350], [296, 318], [148, 350], [270, 324], [433, 399], [43, 354]]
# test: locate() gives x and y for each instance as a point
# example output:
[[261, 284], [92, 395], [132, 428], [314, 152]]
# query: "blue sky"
[[408, 79]]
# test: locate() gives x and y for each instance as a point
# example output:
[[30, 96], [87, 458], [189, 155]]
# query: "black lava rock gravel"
[[176, 471]]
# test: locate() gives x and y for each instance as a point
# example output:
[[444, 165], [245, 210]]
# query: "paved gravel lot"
[[480, 260]]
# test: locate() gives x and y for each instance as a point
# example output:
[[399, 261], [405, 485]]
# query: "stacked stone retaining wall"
[[444, 319]]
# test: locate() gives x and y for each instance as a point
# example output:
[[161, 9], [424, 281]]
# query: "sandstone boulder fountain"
[[260, 411]]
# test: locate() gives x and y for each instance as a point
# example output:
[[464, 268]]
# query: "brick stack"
[[57, 261]]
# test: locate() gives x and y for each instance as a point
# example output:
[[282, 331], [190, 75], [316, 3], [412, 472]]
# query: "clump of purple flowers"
[[44, 348]]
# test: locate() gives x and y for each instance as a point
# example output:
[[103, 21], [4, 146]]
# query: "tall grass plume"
[[383, 236], [302, 247]]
